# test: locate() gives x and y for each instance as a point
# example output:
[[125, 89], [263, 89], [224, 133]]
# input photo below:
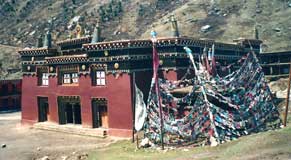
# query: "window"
[[75, 78], [70, 78], [45, 79], [100, 78], [67, 78], [42, 76]]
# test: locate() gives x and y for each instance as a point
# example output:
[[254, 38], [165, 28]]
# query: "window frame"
[[74, 78], [70, 78], [100, 76], [44, 79], [66, 78]]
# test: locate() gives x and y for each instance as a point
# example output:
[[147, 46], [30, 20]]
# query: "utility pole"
[[287, 99]]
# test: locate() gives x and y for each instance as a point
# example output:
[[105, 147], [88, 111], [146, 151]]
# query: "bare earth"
[[32, 144], [24, 143]]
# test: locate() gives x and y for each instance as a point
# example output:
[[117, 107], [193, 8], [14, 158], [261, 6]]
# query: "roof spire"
[[96, 34], [256, 32], [47, 40], [174, 24], [39, 42], [78, 31]]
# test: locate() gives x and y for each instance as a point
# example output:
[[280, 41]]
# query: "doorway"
[[69, 110], [99, 113], [43, 109]]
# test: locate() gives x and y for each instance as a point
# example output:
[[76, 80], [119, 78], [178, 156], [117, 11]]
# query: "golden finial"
[[78, 31]]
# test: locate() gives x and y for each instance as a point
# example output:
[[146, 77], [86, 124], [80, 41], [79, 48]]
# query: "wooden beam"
[[287, 99]]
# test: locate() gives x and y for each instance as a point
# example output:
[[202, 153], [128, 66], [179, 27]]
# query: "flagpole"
[[287, 99], [161, 112], [157, 89], [133, 105]]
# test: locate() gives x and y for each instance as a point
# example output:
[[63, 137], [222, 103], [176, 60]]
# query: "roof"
[[245, 41], [10, 81], [37, 51], [276, 53], [74, 41], [67, 58], [167, 41]]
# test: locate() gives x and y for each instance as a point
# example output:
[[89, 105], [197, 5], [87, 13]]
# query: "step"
[[72, 129]]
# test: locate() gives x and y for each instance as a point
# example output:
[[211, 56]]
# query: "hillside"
[[9, 63], [22, 21]]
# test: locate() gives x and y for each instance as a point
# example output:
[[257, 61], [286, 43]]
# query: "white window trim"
[[100, 78], [70, 78], [75, 78], [45, 79], [67, 78]]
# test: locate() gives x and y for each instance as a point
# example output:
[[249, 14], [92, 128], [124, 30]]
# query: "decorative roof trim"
[[144, 69], [245, 41], [13, 81], [161, 42], [67, 59], [29, 73], [81, 40], [37, 51], [33, 62], [275, 53]]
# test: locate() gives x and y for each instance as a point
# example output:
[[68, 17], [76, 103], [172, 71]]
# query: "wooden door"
[[99, 114], [77, 114], [62, 111], [69, 113], [96, 119], [43, 109], [104, 116]]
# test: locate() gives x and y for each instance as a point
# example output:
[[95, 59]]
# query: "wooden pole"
[[133, 105], [137, 141], [287, 99], [161, 112], [157, 88]]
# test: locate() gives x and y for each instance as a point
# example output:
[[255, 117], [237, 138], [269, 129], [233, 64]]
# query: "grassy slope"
[[266, 145]]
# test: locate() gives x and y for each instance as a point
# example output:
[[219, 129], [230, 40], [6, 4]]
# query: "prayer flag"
[[140, 109]]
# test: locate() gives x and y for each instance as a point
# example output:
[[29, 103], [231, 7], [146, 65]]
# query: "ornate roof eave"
[[74, 41], [161, 42], [74, 51], [29, 73], [113, 71], [280, 53], [13, 81], [37, 52], [245, 41], [33, 62], [67, 59]]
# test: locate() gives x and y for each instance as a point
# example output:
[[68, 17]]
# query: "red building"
[[10, 95], [83, 81]]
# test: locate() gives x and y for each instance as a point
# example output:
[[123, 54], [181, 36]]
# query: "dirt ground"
[[23, 143], [32, 144]]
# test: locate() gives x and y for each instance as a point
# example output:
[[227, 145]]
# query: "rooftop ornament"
[[174, 24], [97, 34], [79, 31]]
